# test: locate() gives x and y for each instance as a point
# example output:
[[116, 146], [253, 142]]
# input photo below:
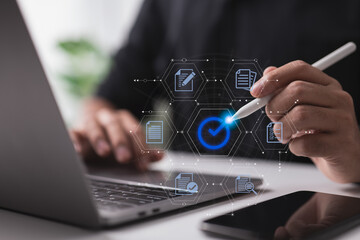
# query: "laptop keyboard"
[[121, 196]]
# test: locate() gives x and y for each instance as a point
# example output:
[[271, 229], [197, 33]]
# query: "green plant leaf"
[[87, 66]]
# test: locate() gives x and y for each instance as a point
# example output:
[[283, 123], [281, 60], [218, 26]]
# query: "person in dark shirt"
[[274, 32]]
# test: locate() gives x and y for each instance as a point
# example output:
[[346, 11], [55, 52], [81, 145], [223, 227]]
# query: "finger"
[[81, 143], [156, 156], [282, 76], [76, 139], [118, 138], [281, 233], [306, 119], [269, 69], [286, 131], [97, 137], [131, 125], [315, 145], [301, 93], [266, 71]]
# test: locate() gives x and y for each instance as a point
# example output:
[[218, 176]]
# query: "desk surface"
[[288, 178]]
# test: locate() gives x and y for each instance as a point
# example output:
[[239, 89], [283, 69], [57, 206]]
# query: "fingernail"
[[256, 89], [102, 147], [122, 154]]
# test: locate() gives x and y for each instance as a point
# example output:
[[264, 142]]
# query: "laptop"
[[40, 172]]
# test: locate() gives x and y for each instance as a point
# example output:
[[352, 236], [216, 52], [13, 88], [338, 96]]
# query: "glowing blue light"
[[228, 120], [214, 133]]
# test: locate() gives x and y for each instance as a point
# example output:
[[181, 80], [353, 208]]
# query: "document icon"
[[274, 135], [241, 183], [185, 181], [154, 132], [184, 80], [244, 79]]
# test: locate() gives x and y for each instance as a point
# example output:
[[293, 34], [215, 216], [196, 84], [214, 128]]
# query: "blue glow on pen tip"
[[229, 120]]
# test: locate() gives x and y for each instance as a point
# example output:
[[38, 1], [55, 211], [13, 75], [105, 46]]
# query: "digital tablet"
[[299, 215]]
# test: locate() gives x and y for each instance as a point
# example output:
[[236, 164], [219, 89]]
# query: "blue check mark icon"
[[216, 131], [213, 132]]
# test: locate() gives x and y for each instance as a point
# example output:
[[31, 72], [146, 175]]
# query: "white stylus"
[[322, 64]]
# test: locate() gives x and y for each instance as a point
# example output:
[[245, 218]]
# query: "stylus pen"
[[322, 64]]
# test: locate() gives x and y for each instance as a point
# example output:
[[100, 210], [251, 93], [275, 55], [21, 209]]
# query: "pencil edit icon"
[[274, 132], [184, 80]]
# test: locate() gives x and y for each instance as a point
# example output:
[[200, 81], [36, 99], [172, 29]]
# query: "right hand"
[[111, 133]]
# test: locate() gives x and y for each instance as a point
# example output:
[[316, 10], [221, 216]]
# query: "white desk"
[[185, 225]]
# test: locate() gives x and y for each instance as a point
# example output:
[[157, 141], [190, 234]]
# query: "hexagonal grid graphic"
[[237, 179], [262, 131], [216, 86], [156, 133], [214, 92], [241, 77], [183, 80], [209, 133], [173, 179]]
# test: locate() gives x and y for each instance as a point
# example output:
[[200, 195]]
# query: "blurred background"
[[75, 40]]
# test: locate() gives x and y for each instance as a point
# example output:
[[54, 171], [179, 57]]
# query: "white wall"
[[106, 22]]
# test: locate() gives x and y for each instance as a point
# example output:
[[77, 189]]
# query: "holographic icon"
[[185, 185], [154, 132], [244, 185], [244, 79], [274, 132], [184, 80], [250, 188], [214, 133]]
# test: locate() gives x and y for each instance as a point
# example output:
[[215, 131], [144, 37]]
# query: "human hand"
[[323, 114], [111, 133]]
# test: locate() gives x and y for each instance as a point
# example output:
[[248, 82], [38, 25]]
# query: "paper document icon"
[[181, 182], [154, 132], [244, 79], [184, 80], [274, 135], [240, 184]]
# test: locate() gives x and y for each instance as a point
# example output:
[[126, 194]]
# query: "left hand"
[[326, 127]]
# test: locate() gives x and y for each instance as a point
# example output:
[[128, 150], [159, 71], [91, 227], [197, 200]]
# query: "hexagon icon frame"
[[243, 62], [189, 201], [258, 139], [214, 108], [230, 176], [166, 77], [170, 139]]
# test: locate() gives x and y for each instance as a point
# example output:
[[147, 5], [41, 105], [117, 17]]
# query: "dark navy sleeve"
[[135, 59]]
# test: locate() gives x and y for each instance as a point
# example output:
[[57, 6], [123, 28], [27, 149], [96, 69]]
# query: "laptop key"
[[114, 194]]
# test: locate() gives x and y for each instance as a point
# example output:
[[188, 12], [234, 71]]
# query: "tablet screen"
[[293, 216]]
